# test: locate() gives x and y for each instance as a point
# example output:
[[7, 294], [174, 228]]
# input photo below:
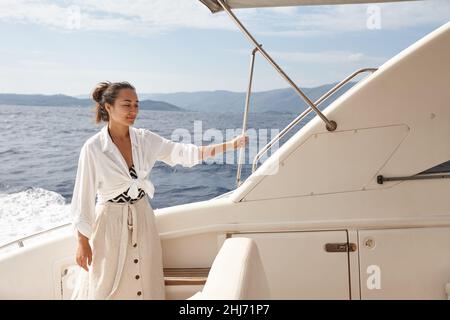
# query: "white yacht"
[[355, 205]]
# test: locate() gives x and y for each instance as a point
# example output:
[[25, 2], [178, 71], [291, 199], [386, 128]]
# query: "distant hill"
[[60, 100], [279, 100]]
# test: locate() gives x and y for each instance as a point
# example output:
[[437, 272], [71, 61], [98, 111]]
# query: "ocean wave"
[[221, 190], [8, 151], [29, 211], [184, 191]]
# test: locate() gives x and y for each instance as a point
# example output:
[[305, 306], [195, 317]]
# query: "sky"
[[162, 46]]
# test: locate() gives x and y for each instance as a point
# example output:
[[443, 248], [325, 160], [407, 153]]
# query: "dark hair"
[[107, 92]]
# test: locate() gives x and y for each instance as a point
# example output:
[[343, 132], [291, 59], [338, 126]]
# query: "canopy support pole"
[[244, 122], [330, 125]]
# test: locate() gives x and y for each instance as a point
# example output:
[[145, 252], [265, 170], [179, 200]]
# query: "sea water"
[[39, 150]]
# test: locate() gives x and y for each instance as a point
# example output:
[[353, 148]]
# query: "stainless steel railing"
[[244, 121], [283, 132], [330, 125], [20, 242]]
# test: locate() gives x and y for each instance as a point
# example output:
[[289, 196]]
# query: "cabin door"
[[305, 265]]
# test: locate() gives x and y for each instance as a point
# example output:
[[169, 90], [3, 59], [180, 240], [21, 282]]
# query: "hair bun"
[[97, 95]]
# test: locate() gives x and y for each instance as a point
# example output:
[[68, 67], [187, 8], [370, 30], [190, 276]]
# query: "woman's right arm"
[[83, 205]]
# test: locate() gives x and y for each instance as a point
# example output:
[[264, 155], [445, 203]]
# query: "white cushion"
[[237, 273]]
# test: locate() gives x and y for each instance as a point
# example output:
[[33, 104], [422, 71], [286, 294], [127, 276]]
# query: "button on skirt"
[[126, 255]]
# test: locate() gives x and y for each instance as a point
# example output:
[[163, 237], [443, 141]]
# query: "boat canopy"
[[214, 5]]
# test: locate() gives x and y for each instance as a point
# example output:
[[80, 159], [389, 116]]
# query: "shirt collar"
[[107, 143]]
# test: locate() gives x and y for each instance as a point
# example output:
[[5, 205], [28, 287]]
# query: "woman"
[[119, 248]]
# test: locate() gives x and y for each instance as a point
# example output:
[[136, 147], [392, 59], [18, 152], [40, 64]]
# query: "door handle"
[[340, 247]]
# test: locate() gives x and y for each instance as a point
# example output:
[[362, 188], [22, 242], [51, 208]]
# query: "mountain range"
[[278, 100], [60, 100]]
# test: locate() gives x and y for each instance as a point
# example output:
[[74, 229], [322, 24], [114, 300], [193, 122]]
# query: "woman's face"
[[125, 108]]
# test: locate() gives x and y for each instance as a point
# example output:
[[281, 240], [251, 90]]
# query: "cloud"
[[32, 12], [327, 57], [138, 17], [320, 20], [321, 57], [143, 17]]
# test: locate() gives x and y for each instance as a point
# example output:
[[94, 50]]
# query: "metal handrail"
[[330, 125], [20, 241], [244, 121], [283, 132]]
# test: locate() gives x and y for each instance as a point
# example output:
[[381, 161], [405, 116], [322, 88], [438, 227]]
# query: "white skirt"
[[126, 255]]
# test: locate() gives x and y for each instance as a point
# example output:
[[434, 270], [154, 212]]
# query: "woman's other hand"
[[240, 141], [84, 253]]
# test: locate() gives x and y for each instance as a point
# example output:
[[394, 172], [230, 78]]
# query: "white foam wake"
[[30, 211]]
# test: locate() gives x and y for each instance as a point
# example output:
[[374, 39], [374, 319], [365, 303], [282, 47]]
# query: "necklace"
[[111, 136]]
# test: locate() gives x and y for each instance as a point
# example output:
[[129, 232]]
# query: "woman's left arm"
[[215, 149]]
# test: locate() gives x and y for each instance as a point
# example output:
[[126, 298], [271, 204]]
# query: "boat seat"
[[237, 273]]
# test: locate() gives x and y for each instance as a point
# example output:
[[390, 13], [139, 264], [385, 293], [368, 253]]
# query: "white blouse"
[[103, 172]]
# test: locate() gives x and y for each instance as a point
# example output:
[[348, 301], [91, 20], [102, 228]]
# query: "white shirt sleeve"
[[84, 193], [173, 153]]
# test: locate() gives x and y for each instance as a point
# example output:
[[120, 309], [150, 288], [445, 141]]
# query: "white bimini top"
[[103, 173]]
